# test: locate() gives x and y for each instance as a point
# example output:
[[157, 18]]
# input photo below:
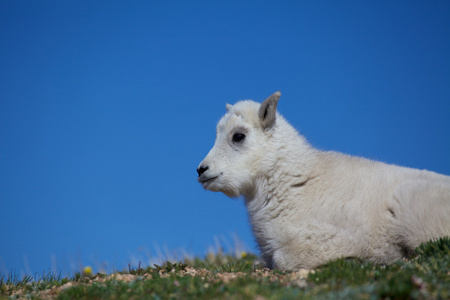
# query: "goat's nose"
[[201, 170]]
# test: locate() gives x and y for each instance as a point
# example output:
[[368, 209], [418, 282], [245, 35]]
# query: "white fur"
[[307, 207]]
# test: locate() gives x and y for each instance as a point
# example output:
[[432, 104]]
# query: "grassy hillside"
[[427, 276]]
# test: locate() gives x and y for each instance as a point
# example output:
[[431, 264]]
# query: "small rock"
[[122, 277], [301, 283], [303, 273], [67, 285]]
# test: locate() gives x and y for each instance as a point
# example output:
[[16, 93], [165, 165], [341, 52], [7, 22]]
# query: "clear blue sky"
[[107, 107]]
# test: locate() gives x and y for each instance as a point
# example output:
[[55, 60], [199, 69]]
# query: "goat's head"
[[242, 141]]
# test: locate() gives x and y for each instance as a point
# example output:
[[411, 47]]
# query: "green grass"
[[427, 276]]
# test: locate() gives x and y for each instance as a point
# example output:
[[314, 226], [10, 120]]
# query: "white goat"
[[307, 207]]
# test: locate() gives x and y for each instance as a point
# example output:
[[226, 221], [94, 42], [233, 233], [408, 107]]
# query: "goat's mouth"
[[207, 180]]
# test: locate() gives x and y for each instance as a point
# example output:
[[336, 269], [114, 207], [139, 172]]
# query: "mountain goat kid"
[[307, 207]]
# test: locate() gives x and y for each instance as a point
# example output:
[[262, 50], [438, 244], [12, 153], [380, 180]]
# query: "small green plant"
[[139, 271], [171, 267]]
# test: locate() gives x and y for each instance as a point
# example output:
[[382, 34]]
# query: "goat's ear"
[[268, 110], [229, 106]]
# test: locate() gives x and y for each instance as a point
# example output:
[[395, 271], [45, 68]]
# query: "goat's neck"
[[289, 168]]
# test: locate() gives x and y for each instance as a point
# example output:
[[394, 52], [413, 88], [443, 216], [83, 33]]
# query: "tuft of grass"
[[234, 267], [342, 272], [221, 262], [12, 282], [438, 249]]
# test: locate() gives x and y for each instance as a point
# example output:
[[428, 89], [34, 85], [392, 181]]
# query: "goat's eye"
[[238, 137]]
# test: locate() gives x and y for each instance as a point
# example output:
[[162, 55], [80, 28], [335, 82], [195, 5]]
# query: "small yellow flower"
[[243, 254], [87, 271]]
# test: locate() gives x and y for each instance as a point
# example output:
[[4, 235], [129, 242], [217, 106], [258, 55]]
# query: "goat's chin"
[[231, 193], [228, 189], [222, 183]]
